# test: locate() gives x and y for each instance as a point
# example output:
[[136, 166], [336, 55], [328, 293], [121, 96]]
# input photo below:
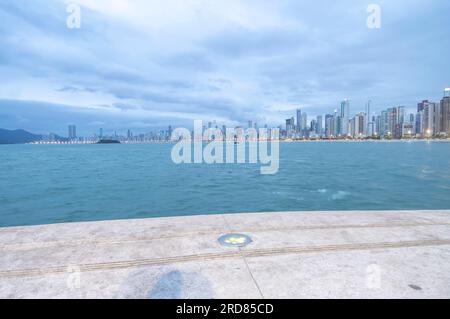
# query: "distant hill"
[[17, 137]]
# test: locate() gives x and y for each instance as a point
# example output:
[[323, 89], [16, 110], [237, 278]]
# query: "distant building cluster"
[[432, 120], [151, 137]]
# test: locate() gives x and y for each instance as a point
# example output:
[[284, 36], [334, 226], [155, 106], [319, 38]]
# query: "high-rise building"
[[351, 127], [392, 122], [72, 132], [367, 118], [378, 124], [299, 121], [384, 124], [370, 129], [398, 131], [319, 128], [421, 106], [360, 123], [313, 126], [304, 123], [418, 123], [345, 115], [337, 125], [290, 127], [329, 125], [431, 120], [400, 114], [445, 113]]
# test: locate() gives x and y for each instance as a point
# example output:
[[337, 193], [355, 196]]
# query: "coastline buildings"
[[432, 120]]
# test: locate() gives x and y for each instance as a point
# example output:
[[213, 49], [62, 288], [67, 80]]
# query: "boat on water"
[[108, 142]]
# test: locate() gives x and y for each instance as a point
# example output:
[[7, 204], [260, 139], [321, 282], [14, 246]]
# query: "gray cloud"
[[292, 54]]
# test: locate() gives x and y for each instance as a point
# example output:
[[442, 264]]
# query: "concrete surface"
[[401, 254]]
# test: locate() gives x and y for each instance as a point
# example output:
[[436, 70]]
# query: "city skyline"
[[127, 67], [430, 119]]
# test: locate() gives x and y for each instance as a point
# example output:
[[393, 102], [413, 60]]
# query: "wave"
[[340, 195]]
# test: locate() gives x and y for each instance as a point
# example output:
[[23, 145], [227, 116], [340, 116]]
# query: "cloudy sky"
[[145, 64]]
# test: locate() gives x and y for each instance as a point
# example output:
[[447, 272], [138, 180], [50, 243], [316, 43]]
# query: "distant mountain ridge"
[[18, 137]]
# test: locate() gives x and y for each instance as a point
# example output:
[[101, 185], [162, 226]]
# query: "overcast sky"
[[145, 64]]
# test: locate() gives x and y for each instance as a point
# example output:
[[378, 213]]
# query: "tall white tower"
[[345, 115]]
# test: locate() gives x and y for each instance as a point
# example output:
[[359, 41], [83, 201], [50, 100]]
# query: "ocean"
[[44, 184]]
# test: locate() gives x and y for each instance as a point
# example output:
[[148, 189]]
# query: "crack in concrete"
[[244, 253], [128, 240], [245, 261]]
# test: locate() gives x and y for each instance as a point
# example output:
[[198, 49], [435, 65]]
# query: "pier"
[[356, 254]]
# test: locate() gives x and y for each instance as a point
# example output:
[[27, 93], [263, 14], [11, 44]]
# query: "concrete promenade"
[[401, 254]]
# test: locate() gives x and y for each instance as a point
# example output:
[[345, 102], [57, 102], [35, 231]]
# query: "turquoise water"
[[41, 184]]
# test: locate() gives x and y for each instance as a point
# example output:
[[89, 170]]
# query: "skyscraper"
[[431, 120], [329, 125], [299, 121], [304, 123], [360, 125], [400, 121], [345, 115], [290, 127], [169, 132], [313, 126], [319, 128], [384, 124], [418, 123], [72, 132], [392, 122], [369, 125], [378, 125], [338, 125], [401, 114], [351, 127], [445, 113]]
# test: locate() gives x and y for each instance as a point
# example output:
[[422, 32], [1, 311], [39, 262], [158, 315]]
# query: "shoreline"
[[280, 141]]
